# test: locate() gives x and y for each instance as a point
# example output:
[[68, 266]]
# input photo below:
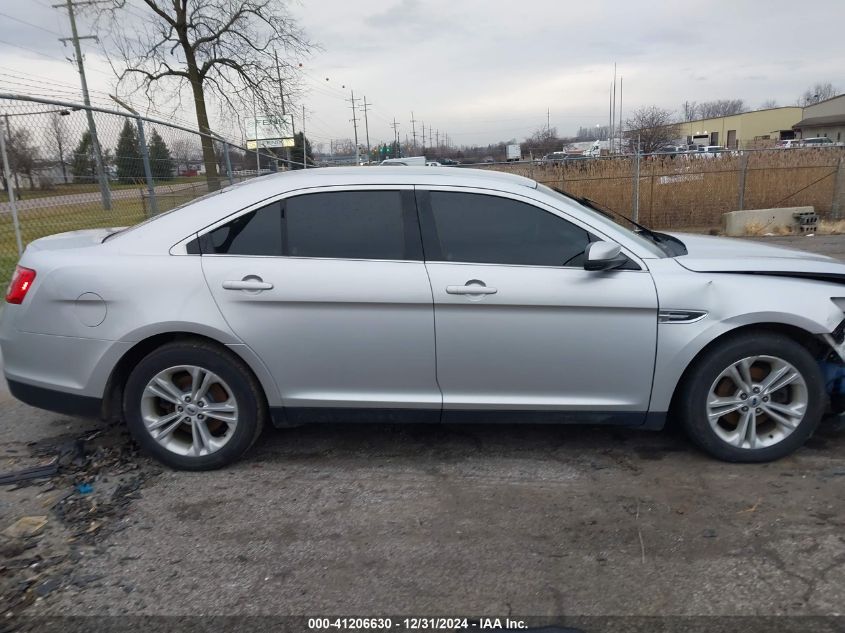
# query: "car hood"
[[706, 253]]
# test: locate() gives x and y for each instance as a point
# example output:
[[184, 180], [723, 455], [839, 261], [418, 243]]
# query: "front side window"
[[470, 227], [343, 224]]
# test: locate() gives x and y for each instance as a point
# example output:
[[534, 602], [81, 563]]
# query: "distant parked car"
[[432, 163], [788, 143], [818, 141], [560, 157]]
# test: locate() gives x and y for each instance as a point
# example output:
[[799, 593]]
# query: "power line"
[[36, 26]]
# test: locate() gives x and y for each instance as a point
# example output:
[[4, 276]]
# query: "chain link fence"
[[54, 179], [691, 191]]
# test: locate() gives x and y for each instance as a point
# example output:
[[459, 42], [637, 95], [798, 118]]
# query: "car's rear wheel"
[[753, 399], [193, 405]]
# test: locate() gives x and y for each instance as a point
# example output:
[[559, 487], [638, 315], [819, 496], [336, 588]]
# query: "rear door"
[[329, 289], [524, 333]]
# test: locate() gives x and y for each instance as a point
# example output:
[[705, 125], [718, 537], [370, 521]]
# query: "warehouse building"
[[761, 128], [825, 118]]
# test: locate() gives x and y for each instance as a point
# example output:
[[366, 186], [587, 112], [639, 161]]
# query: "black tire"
[[694, 394], [252, 410]]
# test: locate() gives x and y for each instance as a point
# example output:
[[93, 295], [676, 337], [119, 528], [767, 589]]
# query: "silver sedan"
[[402, 294]]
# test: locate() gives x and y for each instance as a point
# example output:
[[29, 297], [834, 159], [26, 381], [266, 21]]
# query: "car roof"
[[204, 211], [390, 175]]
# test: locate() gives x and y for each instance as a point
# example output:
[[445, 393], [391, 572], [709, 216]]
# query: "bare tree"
[[184, 151], [219, 48], [689, 110], [720, 107], [819, 91], [543, 141], [768, 104], [653, 126], [60, 138], [22, 154]]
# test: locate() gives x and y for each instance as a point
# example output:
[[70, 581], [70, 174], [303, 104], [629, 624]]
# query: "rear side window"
[[258, 232], [344, 224], [470, 227]]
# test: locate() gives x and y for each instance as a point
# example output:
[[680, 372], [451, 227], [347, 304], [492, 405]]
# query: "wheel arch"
[[806, 339], [113, 393]]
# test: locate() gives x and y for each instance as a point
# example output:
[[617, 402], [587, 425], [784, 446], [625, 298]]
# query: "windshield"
[[599, 220]]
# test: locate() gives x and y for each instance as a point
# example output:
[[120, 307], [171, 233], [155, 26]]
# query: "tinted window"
[[487, 229], [347, 224], [258, 232]]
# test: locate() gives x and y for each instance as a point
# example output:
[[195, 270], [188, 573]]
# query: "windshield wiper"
[[609, 213]]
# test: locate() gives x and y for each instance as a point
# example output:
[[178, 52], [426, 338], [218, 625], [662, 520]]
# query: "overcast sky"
[[488, 70]]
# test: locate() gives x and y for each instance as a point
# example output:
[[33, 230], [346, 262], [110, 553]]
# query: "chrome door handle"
[[247, 284], [472, 287]]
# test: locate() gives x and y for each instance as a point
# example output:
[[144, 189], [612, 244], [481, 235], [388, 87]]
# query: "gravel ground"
[[452, 520]]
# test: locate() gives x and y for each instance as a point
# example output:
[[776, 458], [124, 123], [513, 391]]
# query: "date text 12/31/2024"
[[416, 624]]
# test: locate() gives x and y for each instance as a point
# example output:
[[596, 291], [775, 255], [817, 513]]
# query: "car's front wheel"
[[753, 398], [193, 405]]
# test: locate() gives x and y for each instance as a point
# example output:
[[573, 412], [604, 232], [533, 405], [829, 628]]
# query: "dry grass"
[[825, 227], [695, 191]]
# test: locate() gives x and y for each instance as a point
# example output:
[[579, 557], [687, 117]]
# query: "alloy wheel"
[[189, 410], [756, 402]]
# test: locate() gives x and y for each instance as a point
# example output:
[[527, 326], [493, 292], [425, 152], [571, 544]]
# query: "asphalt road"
[[375, 520], [49, 202]]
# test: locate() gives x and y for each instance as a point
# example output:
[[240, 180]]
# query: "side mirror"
[[603, 256]]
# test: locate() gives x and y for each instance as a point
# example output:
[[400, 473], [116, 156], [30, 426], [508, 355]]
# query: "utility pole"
[[354, 120], [304, 142], [367, 126], [105, 192], [614, 104], [620, 115], [282, 100], [414, 130], [437, 136], [548, 120], [395, 127]]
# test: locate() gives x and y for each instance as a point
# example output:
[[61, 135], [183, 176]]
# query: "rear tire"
[[754, 398], [193, 405]]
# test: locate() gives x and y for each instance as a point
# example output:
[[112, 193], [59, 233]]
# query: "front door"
[[522, 328], [330, 290]]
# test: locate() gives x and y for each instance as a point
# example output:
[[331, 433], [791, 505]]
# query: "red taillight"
[[20, 284]]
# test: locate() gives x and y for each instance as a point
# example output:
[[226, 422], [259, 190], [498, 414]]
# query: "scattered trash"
[[26, 474], [47, 586], [85, 489], [752, 508], [25, 527]]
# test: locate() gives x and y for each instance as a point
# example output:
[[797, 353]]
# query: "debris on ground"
[[25, 474], [25, 526], [86, 484]]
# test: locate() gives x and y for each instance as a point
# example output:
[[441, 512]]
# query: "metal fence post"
[[148, 172], [743, 172], [228, 162], [635, 211], [10, 190], [838, 204]]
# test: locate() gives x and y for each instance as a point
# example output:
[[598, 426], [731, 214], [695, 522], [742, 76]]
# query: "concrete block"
[[735, 222]]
